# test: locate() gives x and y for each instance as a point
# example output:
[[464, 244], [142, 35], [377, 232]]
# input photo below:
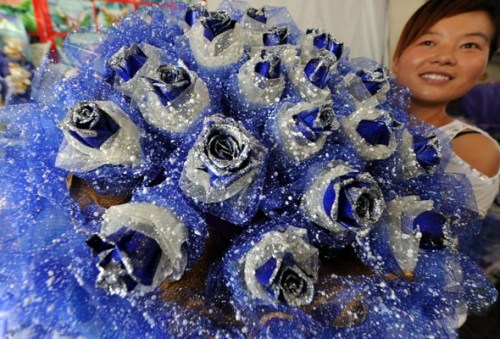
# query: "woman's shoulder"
[[475, 147]]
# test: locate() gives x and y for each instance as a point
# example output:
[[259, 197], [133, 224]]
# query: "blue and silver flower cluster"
[[223, 174]]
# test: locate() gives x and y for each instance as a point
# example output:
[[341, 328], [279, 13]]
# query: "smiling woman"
[[442, 52]]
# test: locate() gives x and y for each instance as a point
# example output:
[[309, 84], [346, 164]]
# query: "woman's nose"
[[444, 55]]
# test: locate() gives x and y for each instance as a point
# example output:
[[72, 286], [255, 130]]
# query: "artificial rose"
[[319, 69], [139, 246], [323, 40], [172, 97], [216, 23], [276, 36], [342, 199], [128, 61], [375, 79], [223, 162], [304, 127], [312, 78], [172, 82], [131, 64], [257, 14], [90, 124], [373, 132], [260, 80], [98, 133], [411, 224], [282, 267], [194, 12], [216, 40], [316, 40], [422, 154]]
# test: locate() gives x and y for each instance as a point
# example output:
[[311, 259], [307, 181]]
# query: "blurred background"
[[370, 28]]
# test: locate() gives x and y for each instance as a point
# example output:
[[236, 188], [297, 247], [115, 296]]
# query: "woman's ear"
[[395, 66]]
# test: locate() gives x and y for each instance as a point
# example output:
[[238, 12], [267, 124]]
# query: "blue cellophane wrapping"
[[346, 284], [43, 267], [253, 115]]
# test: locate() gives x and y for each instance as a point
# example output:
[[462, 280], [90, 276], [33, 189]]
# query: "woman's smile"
[[434, 77]]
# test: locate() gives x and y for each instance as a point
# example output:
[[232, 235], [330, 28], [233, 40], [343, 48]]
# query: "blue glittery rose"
[[317, 39], [127, 61], [194, 12], [139, 246], [174, 97], [130, 63], [422, 154], [318, 70], [90, 125], [411, 224], [407, 228], [171, 82], [255, 23], [262, 32], [282, 267], [275, 36], [216, 23], [268, 65], [257, 14], [343, 200], [260, 80], [311, 79], [373, 132], [433, 228], [375, 80], [224, 165], [98, 133], [303, 128], [216, 40], [252, 93], [265, 281], [368, 84], [326, 41]]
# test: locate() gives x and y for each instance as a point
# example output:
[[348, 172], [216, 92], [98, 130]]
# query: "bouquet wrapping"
[[196, 173]]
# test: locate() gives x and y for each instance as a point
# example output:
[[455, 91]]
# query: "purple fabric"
[[482, 106]]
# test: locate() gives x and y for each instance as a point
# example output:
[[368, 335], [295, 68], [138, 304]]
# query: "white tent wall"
[[368, 27]]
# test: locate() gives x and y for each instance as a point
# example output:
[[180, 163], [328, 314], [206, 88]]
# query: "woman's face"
[[447, 60]]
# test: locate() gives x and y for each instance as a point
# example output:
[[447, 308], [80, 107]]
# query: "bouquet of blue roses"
[[196, 173]]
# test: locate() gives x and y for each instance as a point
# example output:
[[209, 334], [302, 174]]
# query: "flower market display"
[[16, 70], [188, 173]]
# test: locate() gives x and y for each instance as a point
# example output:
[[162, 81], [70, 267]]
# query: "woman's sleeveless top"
[[485, 188]]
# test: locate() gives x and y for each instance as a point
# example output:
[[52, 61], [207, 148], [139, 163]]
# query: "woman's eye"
[[470, 45], [427, 43]]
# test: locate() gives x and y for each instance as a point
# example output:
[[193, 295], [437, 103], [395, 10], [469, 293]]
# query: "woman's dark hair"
[[434, 10]]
